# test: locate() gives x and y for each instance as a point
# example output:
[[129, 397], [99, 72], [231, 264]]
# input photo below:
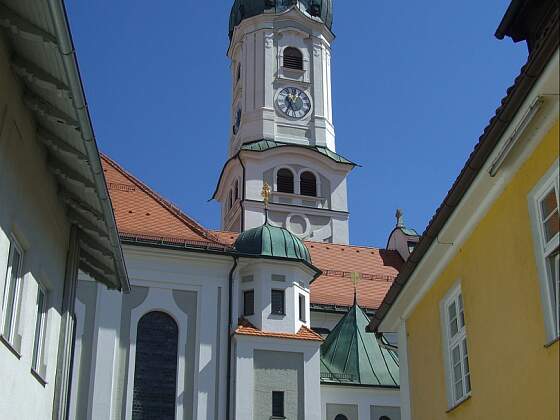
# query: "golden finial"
[[356, 279], [266, 194]]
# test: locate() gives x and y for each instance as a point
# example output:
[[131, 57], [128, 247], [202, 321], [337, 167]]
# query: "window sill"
[[39, 378], [10, 347], [277, 418], [279, 315], [459, 403]]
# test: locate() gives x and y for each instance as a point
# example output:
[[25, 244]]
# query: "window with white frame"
[[457, 356], [12, 287], [40, 332], [543, 206]]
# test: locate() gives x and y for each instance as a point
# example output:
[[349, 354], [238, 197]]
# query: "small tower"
[[274, 348], [282, 130], [402, 239]]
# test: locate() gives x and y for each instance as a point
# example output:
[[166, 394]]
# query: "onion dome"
[[272, 241], [243, 9]]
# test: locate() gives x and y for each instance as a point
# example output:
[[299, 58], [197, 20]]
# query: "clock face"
[[293, 102]]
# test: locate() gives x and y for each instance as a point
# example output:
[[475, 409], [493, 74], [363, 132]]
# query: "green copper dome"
[[272, 241], [243, 9]]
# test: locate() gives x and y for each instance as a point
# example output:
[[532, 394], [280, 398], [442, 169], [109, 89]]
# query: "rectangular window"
[[277, 404], [40, 330], [302, 311], [278, 298], [11, 293], [249, 303], [543, 206], [455, 333]]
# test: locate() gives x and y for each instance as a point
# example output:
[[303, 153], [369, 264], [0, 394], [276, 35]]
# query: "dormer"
[[402, 239]]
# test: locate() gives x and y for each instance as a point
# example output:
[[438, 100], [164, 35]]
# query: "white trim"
[[543, 250], [307, 225], [18, 288], [454, 296], [160, 300], [40, 340]]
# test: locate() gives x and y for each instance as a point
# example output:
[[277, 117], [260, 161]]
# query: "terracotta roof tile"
[[142, 213], [246, 328]]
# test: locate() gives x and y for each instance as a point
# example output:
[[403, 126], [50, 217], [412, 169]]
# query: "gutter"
[[71, 68], [498, 125]]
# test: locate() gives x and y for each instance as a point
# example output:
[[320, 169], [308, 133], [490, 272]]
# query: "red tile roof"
[[304, 333], [143, 215]]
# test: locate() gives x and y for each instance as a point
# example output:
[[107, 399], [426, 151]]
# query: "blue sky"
[[414, 85]]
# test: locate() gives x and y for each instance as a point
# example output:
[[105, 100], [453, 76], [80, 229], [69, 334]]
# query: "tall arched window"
[[236, 189], [341, 417], [308, 184], [238, 73], [285, 181], [155, 371], [293, 58]]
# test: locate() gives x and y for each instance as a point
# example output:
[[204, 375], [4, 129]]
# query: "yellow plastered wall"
[[513, 374]]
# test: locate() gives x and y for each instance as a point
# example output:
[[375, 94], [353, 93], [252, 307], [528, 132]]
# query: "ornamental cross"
[[266, 194]]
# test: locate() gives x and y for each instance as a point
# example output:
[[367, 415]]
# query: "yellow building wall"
[[513, 374]]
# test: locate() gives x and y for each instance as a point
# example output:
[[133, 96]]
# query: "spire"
[[400, 218], [351, 356]]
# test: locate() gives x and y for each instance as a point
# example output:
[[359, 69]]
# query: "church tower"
[[282, 130]]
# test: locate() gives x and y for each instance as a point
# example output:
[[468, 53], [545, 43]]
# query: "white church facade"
[[264, 319]]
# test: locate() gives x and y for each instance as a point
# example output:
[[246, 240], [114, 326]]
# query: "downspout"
[[244, 195], [230, 336]]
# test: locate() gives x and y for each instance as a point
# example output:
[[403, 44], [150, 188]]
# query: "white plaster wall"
[[363, 397], [325, 319], [30, 211], [163, 271], [296, 283], [257, 44], [244, 375]]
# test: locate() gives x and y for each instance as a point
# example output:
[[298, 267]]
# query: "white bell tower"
[[282, 129]]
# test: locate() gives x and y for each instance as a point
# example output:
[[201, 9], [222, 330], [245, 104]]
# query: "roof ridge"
[[166, 204]]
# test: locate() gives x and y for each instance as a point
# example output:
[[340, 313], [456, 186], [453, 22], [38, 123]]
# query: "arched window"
[[230, 199], [238, 75], [341, 417], [236, 189], [384, 418], [155, 371], [308, 184], [285, 181], [293, 58]]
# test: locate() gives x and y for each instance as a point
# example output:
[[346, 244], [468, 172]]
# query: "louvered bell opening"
[[285, 181], [308, 184], [293, 58]]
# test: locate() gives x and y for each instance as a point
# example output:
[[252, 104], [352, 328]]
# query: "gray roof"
[[44, 59]]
